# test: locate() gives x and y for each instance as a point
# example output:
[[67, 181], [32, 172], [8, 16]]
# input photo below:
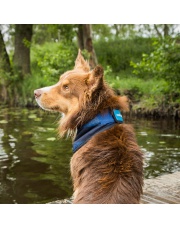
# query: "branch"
[[158, 32]]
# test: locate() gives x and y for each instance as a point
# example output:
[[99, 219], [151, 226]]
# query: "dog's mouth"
[[47, 108]]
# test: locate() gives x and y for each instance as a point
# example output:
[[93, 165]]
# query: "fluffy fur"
[[109, 167]]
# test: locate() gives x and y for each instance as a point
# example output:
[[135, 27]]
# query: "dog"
[[107, 163]]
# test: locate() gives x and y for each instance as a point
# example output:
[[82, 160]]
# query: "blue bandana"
[[98, 124]]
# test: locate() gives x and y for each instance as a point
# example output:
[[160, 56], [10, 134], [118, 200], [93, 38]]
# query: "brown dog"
[[107, 164]]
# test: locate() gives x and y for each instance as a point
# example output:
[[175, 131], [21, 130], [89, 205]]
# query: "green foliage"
[[53, 33], [119, 52], [163, 62], [27, 43], [48, 62], [53, 51], [53, 59], [101, 30], [145, 93]]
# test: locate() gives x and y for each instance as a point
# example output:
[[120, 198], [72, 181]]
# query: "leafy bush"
[[118, 53], [163, 62], [53, 59]]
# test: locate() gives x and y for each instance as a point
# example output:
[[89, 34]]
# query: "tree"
[[4, 58], [53, 33], [164, 30], [23, 35], [85, 42], [158, 30], [5, 69], [163, 62], [124, 30], [101, 31]]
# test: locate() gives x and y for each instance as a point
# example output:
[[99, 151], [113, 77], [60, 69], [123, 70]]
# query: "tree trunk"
[[116, 29], [158, 32], [4, 58], [23, 35], [80, 37], [166, 30], [85, 42], [5, 67]]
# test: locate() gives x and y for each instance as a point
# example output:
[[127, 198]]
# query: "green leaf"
[[51, 139], [32, 116], [3, 122]]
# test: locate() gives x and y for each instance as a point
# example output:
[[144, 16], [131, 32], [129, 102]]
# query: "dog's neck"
[[99, 123]]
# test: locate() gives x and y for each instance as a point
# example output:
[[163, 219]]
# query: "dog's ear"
[[80, 63], [95, 79], [98, 71]]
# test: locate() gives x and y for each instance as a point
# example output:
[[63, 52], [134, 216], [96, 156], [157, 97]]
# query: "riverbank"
[[168, 111], [164, 189], [148, 98], [144, 106], [141, 107]]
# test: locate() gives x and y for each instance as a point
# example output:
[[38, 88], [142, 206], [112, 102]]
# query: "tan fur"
[[109, 167]]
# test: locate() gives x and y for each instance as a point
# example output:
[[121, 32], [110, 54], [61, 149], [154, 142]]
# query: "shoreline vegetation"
[[145, 97], [144, 68], [148, 98]]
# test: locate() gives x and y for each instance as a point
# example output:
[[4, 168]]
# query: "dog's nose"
[[37, 93]]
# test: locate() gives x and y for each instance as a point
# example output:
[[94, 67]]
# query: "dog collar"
[[101, 122]]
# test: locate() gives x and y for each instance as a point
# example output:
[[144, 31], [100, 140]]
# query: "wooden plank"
[[164, 189], [158, 199]]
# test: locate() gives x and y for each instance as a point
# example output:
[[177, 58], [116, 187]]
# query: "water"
[[34, 164]]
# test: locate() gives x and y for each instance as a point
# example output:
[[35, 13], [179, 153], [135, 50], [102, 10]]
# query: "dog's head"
[[65, 96], [78, 95]]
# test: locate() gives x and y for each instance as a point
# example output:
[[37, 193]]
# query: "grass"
[[146, 94]]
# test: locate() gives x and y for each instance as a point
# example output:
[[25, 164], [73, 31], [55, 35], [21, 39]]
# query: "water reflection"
[[34, 165], [34, 169], [161, 145]]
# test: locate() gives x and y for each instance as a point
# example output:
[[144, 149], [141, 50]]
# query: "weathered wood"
[[164, 189]]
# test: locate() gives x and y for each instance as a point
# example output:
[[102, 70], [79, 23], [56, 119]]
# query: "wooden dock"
[[164, 189]]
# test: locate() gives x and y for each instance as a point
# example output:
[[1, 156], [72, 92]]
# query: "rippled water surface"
[[34, 164]]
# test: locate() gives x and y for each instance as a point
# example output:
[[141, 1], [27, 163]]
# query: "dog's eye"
[[66, 87]]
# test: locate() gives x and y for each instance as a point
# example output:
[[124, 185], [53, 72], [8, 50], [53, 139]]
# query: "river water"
[[34, 164]]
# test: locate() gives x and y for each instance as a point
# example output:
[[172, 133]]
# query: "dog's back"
[[108, 169]]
